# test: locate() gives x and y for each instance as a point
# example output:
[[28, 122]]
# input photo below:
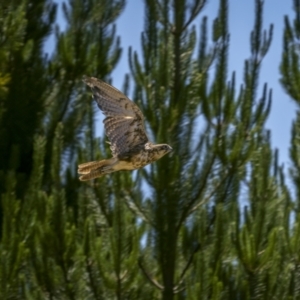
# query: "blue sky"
[[241, 19]]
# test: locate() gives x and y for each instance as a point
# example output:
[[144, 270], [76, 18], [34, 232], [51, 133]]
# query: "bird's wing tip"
[[91, 81], [85, 79]]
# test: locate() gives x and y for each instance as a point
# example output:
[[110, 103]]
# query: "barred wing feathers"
[[124, 122]]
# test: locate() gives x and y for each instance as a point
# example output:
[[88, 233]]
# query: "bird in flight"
[[124, 126]]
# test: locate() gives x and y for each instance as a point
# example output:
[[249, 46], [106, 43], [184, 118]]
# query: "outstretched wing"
[[124, 122]]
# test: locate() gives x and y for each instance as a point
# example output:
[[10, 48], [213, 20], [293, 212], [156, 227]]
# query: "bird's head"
[[163, 149]]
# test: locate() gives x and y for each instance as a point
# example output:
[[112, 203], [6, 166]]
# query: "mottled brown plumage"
[[124, 126]]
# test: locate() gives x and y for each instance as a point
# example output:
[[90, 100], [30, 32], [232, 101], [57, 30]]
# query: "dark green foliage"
[[21, 64], [213, 220], [290, 80]]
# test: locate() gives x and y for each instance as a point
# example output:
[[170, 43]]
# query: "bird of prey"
[[124, 126]]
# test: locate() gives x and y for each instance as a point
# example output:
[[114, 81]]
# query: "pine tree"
[[290, 70], [22, 62], [43, 115], [214, 132], [213, 220]]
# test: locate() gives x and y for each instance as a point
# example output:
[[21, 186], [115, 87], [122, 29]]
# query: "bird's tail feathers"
[[94, 169]]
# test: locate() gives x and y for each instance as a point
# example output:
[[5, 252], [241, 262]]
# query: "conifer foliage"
[[214, 220]]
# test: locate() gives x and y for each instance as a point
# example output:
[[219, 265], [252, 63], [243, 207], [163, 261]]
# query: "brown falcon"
[[124, 126]]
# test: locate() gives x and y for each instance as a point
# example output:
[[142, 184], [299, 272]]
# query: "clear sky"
[[241, 19]]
